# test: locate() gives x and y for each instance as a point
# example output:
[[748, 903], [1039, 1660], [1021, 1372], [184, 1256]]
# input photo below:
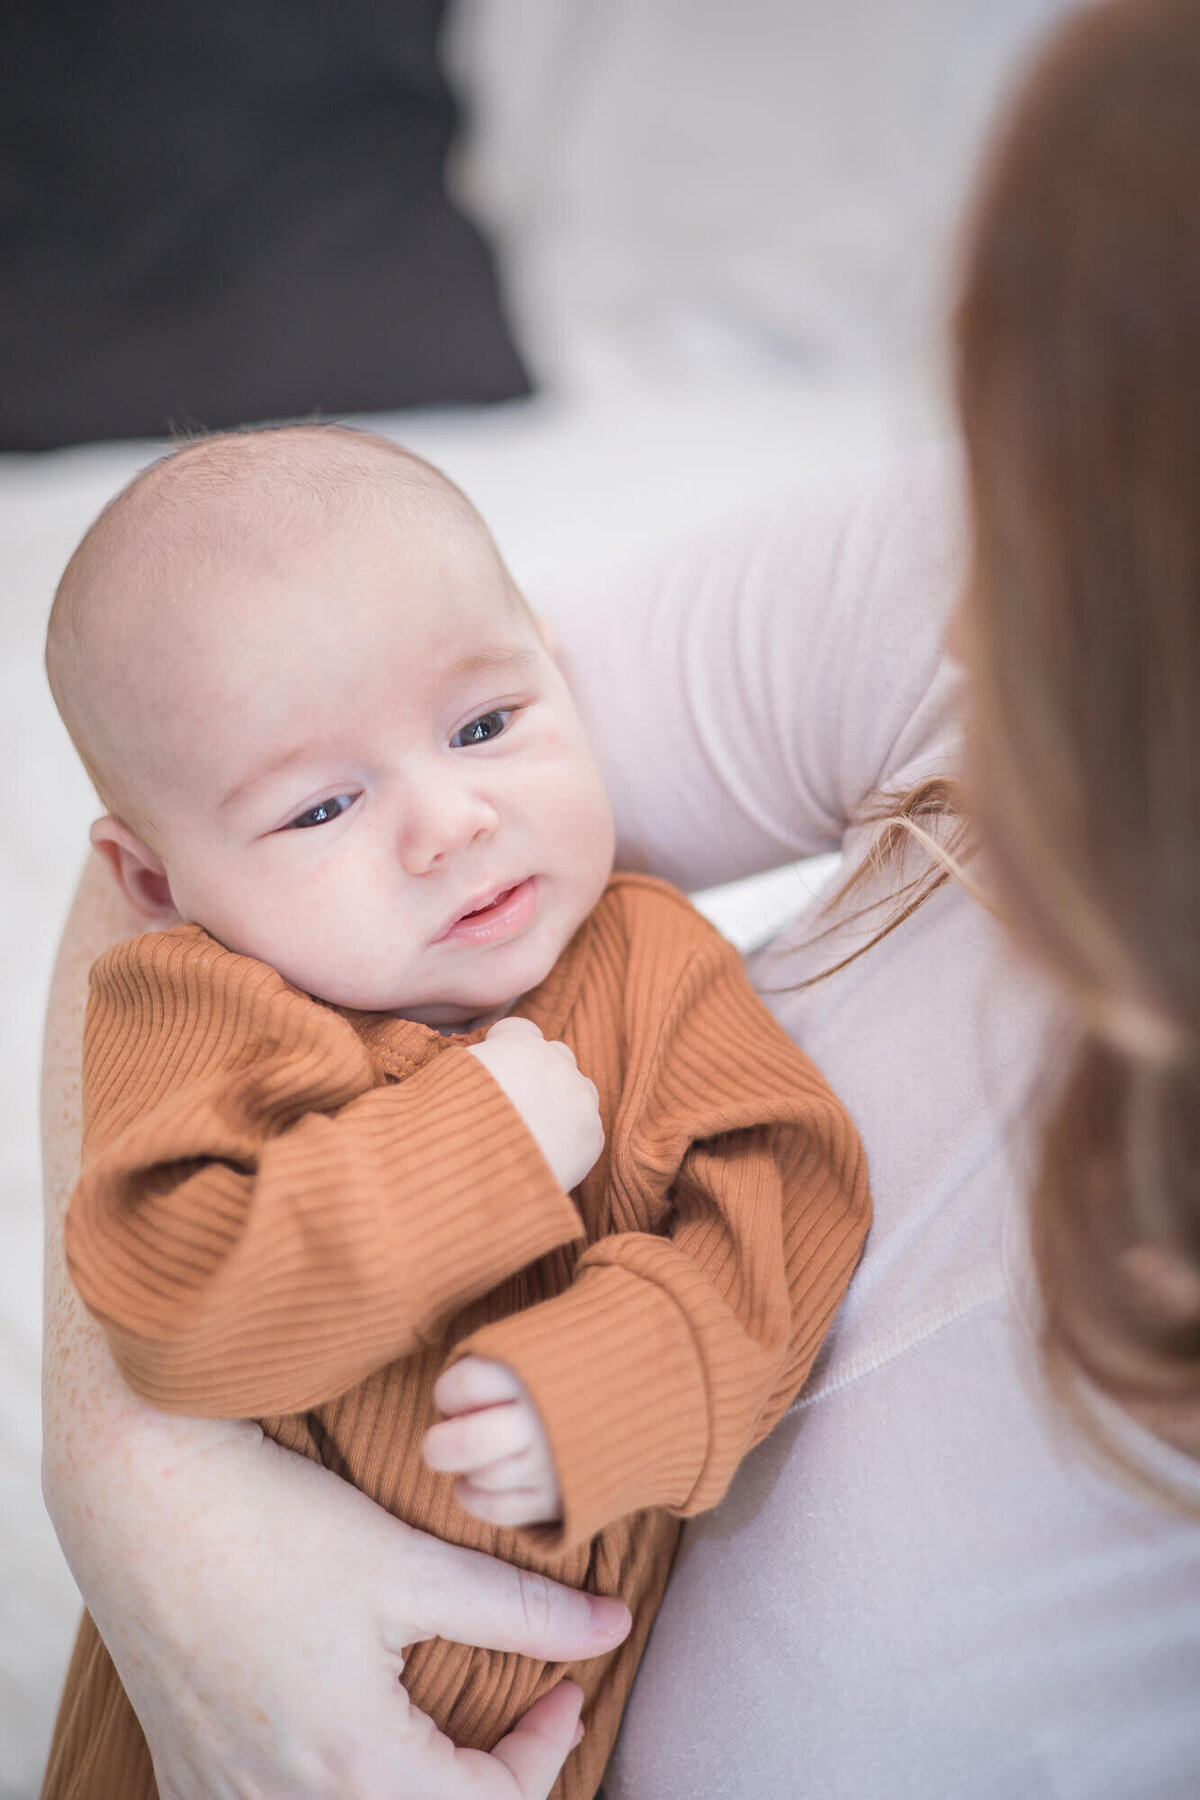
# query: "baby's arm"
[[669, 1356], [259, 1225], [492, 1436]]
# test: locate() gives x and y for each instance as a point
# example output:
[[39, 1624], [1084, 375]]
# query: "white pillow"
[[691, 182]]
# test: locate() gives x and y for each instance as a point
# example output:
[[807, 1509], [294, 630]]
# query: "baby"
[[342, 1170]]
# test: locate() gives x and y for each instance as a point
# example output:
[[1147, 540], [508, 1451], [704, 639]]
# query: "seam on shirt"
[[925, 1327]]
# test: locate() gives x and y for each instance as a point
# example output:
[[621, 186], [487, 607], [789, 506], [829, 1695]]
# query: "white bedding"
[[718, 327]]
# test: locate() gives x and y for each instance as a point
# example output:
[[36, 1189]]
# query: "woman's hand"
[[257, 1608], [255, 1605]]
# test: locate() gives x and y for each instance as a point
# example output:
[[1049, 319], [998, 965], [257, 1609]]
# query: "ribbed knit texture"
[[299, 1214]]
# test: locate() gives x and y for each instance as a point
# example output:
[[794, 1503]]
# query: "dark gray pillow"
[[232, 211]]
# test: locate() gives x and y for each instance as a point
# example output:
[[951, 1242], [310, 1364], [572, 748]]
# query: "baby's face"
[[373, 778]]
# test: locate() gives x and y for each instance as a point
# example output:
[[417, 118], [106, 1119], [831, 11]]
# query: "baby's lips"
[[488, 898]]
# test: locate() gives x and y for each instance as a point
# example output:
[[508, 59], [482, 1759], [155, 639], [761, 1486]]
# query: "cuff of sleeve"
[[612, 1368]]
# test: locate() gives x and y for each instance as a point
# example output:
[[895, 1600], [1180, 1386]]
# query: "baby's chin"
[[463, 1009], [463, 1013], [474, 996], [470, 1016], [471, 1008]]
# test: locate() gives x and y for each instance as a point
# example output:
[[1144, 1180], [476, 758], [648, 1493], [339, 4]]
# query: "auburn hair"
[[1077, 347]]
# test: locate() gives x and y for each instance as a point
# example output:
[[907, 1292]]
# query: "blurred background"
[[616, 265]]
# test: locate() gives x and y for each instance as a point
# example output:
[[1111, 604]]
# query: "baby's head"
[[325, 725]]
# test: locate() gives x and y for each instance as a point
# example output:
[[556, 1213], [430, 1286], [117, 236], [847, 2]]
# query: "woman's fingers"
[[386, 1749], [535, 1749], [471, 1598], [523, 1766]]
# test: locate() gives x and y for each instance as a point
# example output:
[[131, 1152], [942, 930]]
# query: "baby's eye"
[[479, 731], [322, 814]]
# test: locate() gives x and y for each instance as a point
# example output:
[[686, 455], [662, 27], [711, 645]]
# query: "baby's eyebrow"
[[478, 662]]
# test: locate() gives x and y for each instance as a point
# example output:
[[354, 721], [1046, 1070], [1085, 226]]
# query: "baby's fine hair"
[[228, 499]]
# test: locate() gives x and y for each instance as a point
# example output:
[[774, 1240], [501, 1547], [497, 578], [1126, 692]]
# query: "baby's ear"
[[138, 872]]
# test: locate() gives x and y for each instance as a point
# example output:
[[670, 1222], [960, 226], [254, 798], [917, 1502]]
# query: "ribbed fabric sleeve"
[[262, 1221], [670, 1355]]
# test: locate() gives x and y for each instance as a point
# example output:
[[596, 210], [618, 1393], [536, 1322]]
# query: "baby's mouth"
[[506, 910], [489, 906]]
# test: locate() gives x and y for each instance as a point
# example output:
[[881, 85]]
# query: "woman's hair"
[[1078, 378], [928, 818]]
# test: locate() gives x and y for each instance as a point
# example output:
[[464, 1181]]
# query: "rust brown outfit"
[[299, 1214]]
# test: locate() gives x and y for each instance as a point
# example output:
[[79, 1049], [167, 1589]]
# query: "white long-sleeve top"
[[921, 1587]]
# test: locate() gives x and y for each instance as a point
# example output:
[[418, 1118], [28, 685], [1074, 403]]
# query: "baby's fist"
[[559, 1105], [493, 1440]]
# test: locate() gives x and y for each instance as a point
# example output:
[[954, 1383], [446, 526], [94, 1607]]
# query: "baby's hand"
[[493, 1440], [560, 1106]]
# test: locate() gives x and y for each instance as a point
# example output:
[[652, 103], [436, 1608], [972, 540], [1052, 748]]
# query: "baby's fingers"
[[472, 1441], [511, 1508], [474, 1381], [530, 1469]]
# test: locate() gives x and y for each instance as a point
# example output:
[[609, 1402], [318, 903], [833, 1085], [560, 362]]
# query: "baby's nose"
[[443, 821]]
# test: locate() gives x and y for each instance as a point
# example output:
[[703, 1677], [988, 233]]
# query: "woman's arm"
[[254, 1604], [747, 689]]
